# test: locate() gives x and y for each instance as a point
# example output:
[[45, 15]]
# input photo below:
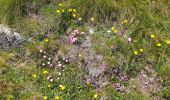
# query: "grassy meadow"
[[86, 50]]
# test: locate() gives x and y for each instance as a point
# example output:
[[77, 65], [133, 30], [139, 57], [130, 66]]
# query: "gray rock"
[[9, 39], [95, 71]]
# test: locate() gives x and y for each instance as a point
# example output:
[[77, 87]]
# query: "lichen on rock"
[[9, 39]]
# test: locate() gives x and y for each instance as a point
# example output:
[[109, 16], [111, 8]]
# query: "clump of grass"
[[4, 57], [11, 9], [101, 10]]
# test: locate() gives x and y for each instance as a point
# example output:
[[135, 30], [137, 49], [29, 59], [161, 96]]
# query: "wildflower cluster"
[[152, 36], [46, 60], [75, 36], [136, 52], [114, 30], [69, 14], [49, 80]]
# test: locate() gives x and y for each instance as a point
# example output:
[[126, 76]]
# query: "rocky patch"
[[9, 39]]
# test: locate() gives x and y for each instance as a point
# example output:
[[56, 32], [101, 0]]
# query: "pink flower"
[[73, 39]]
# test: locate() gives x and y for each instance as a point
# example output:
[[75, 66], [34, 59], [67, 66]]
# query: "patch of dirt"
[[91, 64], [148, 81]]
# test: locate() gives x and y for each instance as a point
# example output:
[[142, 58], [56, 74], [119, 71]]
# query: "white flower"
[[108, 31], [45, 56], [49, 58], [48, 63], [51, 80], [48, 77], [59, 65], [41, 51], [91, 31], [129, 39], [66, 60], [51, 65], [76, 31], [82, 33], [59, 73], [43, 64]]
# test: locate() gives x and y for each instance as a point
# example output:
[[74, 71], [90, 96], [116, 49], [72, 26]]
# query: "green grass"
[[11, 9]]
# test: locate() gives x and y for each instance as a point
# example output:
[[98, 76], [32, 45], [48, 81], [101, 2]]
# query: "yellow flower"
[[34, 75], [74, 15], [167, 41], [45, 97], [63, 10], [60, 4], [10, 97], [46, 40], [45, 72], [57, 11], [113, 28], [159, 45], [92, 19], [136, 52], [125, 21], [141, 50], [57, 98], [70, 10], [115, 31], [74, 10], [62, 87], [49, 85], [95, 96], [152, 36]]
